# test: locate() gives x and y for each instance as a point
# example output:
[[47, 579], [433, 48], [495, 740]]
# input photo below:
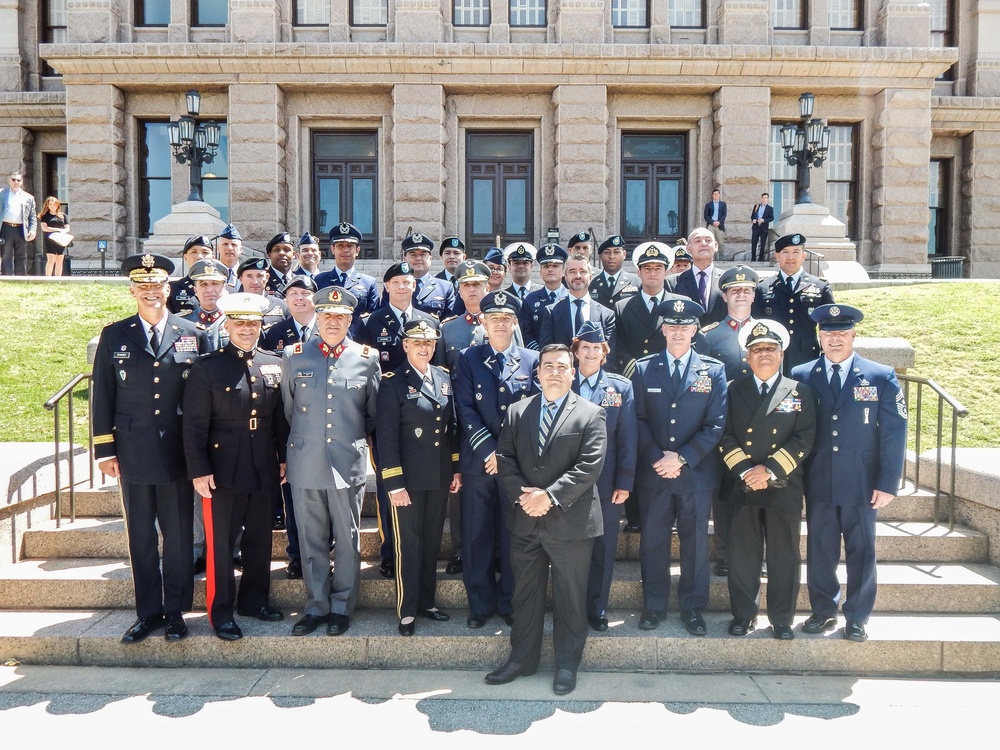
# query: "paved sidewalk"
[[153, 708]]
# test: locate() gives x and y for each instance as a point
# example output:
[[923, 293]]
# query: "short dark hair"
[[555, 348], [765, 195]]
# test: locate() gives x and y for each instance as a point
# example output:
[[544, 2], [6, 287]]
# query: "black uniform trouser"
[[417, 530], [226, 513], [171, 507], [722, 515], [387, 549], [14, 252], [780, 528], [291, 530]]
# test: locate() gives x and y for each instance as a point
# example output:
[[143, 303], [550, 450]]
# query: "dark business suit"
[[686, 284], [777, 433], [706, 214], [860, 447], [758, 232], [772, 301], [557, 322], [568, 467]]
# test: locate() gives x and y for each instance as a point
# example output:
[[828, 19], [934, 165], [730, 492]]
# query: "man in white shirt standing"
[[19, 226]]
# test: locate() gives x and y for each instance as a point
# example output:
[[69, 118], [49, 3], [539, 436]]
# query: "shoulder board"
[[708, 328], [366, 352], [388, 374], [706, 360], [295, 348]]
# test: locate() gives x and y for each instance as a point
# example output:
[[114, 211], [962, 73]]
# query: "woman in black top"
[[53, 219]]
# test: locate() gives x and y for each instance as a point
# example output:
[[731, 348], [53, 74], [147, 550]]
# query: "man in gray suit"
[[329, 385], [18, 228], [549, 457]]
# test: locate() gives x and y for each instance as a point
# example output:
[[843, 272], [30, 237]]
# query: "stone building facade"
[[514, 117]]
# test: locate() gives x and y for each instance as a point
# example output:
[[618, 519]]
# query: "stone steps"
[[74, 583], [898, 645], [896, 541]]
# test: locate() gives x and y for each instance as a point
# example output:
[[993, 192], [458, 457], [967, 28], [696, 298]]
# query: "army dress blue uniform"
[[792, 309], [608, 294], [182, 298]]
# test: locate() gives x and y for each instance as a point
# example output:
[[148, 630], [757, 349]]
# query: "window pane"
[[629, 13], [363, 205], [158, 154], [482, 206], [669, 207], [527, 12], [516, 207], [840, 158], [780, 169], [153, 13], [329, 204], [787, 14], [472, 13], [211, 12], [312, 12], [686, 14], [499, 146], [159, 202], [369, 12], [220, 164], [346, 146], [844, 14], [782, 196], [652, 147], [635, 207], [838, 199], [61, 178], [216, 194]]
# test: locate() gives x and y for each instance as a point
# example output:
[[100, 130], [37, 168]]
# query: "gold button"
[[156, 380], [502, 389], [774, 431], [229, 389], [436, 444], [437, 432], [438, 419], [253, 412], [156, 364], [749, 429], [156, 412], [253, 380], [216, 445], [156, 395], [749, 442], [253, 395]]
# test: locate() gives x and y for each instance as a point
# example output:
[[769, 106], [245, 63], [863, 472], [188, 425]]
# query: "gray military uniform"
[[329, 397], [460, 333]]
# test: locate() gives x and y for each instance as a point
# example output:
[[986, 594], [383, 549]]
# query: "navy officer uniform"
[[361, 286], [486, 385], [681, 409], [138, 383], [609, 289], [860, 448], [518, 251], [535, 303], [182, 299], [417, 435]]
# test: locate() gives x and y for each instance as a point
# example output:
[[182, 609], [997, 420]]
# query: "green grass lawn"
[[44, 330]]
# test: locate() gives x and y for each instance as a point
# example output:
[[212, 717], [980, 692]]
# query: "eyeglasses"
[[16, 179]]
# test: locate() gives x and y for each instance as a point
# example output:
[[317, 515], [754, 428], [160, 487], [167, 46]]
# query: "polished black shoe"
[[508, 673], [142, 627], [739, 626], [229, 631], [598, 623], [476, 621], [454, 566], [279, 523], [650, 619], [508, 620], [434, 614], [855, 631], [564, 682], [722, 568], [338, 625], [238, 562], [783, 632], [199, 565], [176, 629], [308, 624], [631, 528], [294, 569], [818, 624], [406, 628], [693, 622], [264, 614], [387, 569]]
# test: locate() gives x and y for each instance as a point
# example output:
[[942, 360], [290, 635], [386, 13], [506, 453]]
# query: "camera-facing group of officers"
[[542, 412]]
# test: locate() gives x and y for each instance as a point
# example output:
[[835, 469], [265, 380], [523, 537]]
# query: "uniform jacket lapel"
[[137, 333], [170, 335], [781, 389]]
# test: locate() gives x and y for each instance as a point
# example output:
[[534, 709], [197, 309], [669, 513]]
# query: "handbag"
[[63, 239]]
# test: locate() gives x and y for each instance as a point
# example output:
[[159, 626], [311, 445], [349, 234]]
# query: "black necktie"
[[154, 340], [611, 282], [701, 289], [652, 304], [552, 296], [578, 318], [763, 391], [790, 285], [420, 286], [835, 382], [520, 292], [404, 318], [499, 365], [304, 336], [342, 280], [675, 376]]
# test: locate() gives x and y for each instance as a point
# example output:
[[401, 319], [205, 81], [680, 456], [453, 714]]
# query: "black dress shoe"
[[855, 631], [739, 626], [177, 629], [476, 621], [564, 682], [508, 673], [142, 627], [229, 631], [387, 569], [279, 523], [338, 624], [508, 620], [406, 629], [631, 528], [722, 568], [454, 566], [264, 614], [238, 562], [598, 623], [294, 569], [199, 565], [783, 632], [308, 624], [818, 624], [650, 619], [693, 622], [434, 614]]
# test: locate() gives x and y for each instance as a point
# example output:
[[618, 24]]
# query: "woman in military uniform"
[[417, 435]]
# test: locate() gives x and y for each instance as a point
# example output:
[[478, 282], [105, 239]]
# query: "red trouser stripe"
[[206, 508]]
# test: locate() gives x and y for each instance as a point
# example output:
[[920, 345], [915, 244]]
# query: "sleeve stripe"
[[454, 457], [103, 439], [785, 461], [735, 457], [479, 438], [396, 471]]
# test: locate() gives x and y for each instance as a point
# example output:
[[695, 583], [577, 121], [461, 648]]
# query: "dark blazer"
[[557, 322], [773, 302], [778, 434], [768, 216], [530, 317], [707, 214], [382, 330], [626, 284], [182, 300], [614, 395], [568, 467], [686, 285]]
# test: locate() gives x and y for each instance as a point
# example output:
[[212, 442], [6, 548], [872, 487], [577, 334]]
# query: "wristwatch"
[[683, 461]]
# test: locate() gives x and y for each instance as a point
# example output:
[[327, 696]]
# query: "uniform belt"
[[254, 423], [12, 224]]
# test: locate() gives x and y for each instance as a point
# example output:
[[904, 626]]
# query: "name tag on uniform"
[[122, 355], [865, 393], [304, 373], [654, 390], [702, 385], [186, 344], [789, 405]]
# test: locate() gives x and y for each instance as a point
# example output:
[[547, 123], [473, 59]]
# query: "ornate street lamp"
[[805, 145], [194, 143]]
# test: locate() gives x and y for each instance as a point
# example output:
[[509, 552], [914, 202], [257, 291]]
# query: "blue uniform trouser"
[[486, 546], [602, 559], [827, 523]]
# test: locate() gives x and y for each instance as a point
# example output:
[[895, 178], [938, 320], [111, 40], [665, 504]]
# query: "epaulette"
[[295, 348], [711, 360], [366, 352], [201, 326], [388, 374], [444, 369], [709, 327]]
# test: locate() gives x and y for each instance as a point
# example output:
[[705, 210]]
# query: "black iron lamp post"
[[805, 145], [194, 143]]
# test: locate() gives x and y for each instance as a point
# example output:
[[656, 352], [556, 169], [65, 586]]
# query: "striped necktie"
[[548, 416]]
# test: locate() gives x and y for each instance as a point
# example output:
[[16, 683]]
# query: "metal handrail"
[[53, 405], [957, 410], [814, 258]]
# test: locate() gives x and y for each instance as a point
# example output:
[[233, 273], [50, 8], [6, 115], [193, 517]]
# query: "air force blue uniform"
[[363, 287]]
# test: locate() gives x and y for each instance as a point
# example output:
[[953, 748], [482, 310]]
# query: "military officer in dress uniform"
[[854, 469], [487, 380], [252, 274], [551, 263], [234, 442], [790, 297], [613, 284], [581, 242], [209, 277], [182, 298], [230, 247], [682, 259], [281, 254], [418, 445], [309, 256], [329, 386], [680, 403], [614, 394], [431, 295], [452, 252], [139, 370], [769, 431], [494, 261], [520, 257], [345, 245]]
